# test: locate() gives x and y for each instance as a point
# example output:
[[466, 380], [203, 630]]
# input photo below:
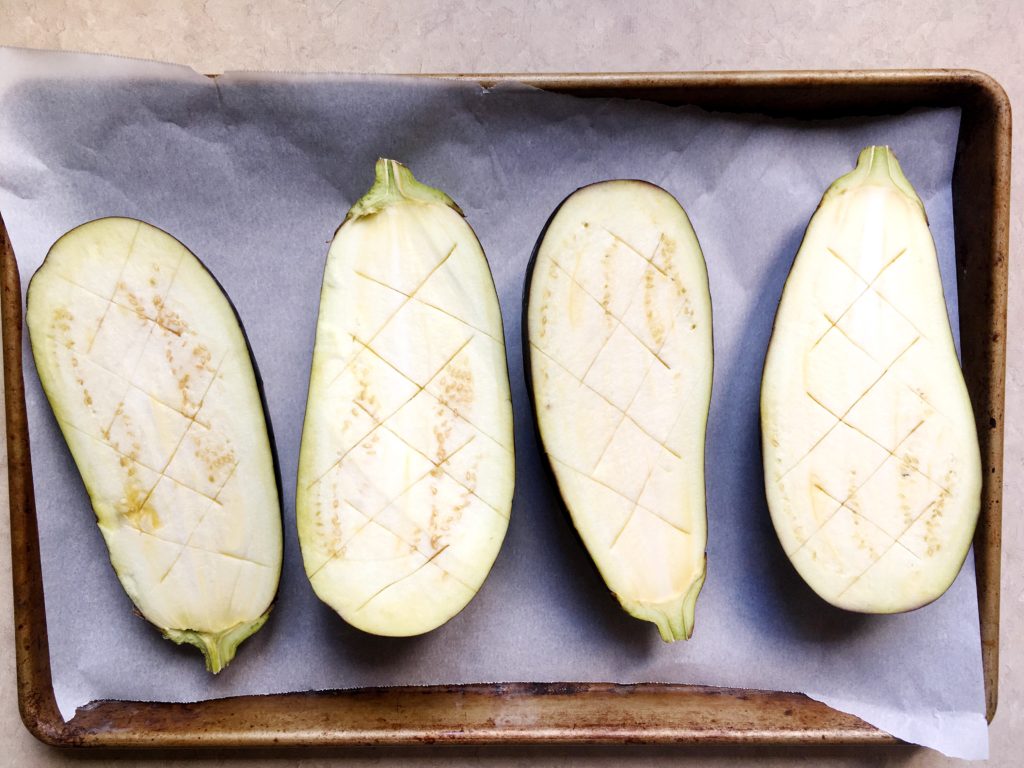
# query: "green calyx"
[[878, 167], [674, 618], [394, 183], [218, 647]]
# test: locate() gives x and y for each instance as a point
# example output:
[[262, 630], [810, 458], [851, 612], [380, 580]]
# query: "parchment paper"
[[255, 171]]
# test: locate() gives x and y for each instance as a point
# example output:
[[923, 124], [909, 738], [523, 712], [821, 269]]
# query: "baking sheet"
[[255, 171]]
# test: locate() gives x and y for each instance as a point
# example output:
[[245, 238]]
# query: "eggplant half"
[[619, 354], [407, 467], [149, 375], [872, 468]]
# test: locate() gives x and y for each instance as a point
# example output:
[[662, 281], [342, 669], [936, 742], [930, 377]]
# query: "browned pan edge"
[[592, 713]]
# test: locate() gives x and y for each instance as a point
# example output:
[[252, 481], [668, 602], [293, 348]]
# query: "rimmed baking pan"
[[553, 713]]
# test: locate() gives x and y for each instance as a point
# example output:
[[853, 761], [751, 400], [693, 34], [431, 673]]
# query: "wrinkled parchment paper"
[[255, 171]]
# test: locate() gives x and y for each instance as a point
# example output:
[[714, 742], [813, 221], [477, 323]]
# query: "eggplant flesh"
[[871, 460], [618, 325], [406, 469], [149, 375]]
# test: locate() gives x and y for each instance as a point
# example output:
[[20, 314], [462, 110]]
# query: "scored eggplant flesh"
[[871, 460], [149, 375], [406, 469], [618, 331]]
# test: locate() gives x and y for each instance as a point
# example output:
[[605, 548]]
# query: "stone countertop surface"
[[563, 36]]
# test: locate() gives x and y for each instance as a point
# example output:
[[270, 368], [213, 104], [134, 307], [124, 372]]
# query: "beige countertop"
[[564, 36]]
